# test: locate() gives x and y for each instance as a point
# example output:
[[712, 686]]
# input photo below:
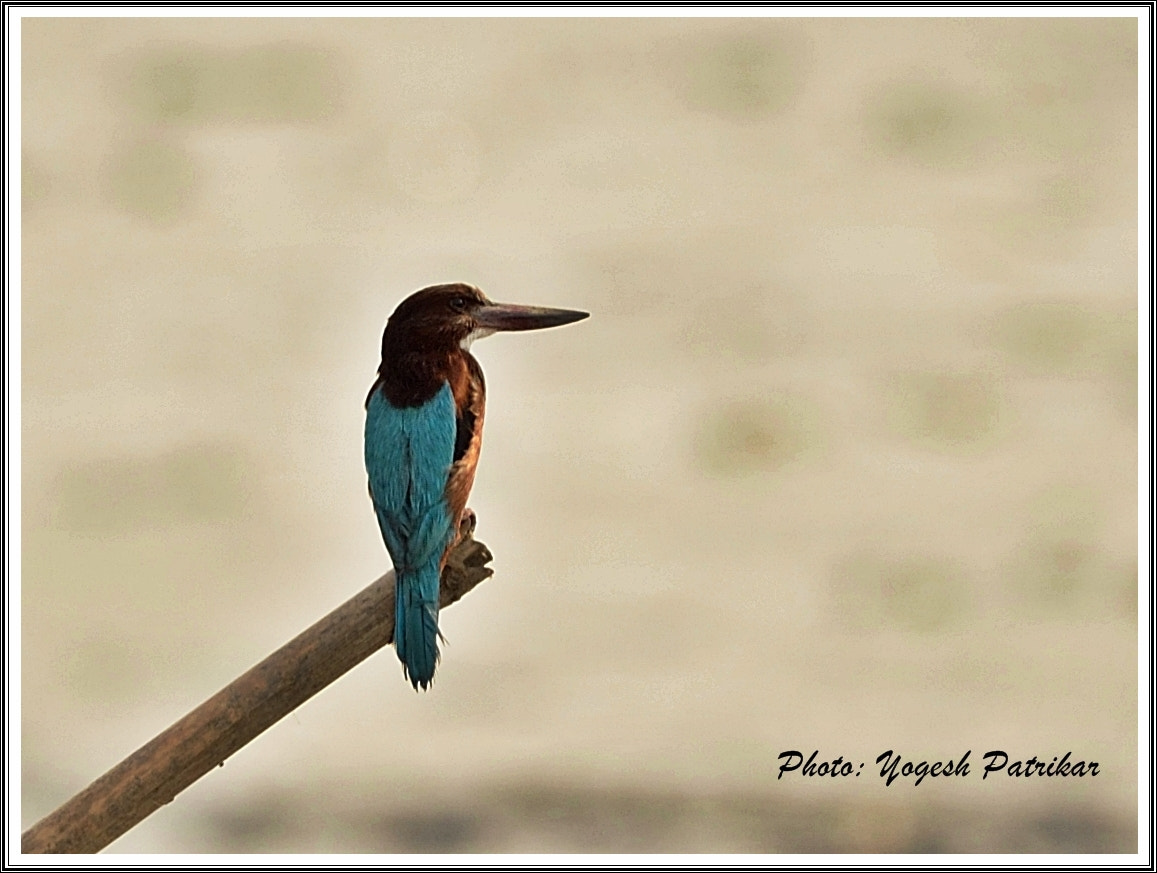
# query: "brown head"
[[433, 325]]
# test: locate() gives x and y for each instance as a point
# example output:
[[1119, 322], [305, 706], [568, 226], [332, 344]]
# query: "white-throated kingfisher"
[[423, 436]]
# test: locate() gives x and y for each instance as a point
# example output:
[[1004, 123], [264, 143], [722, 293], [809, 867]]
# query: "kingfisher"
[[423, 437]]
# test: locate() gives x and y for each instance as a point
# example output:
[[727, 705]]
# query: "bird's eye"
[[459, 304]]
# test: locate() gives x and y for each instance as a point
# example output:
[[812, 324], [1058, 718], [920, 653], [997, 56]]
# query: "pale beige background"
[[844, 459]]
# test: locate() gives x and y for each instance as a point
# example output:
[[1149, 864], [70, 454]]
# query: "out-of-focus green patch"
[[743, 76], [276, 83], [195, 483], [1046, 337], [945, 409], [757, 436], [1060, 565], [1060, 338], [1060, 76], [152, 179], [1117, 355], [923, 121], [921, 593], [1054, 574], [1047, 122], [1048, 217], [1126, 579]]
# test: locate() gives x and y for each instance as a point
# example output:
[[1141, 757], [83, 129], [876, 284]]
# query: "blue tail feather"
[[416, 622]]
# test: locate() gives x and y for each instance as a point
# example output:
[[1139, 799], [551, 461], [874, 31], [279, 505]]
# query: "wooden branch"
[[154, 774]]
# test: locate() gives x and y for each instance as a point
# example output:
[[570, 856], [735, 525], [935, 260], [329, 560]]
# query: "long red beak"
[[512, 316]]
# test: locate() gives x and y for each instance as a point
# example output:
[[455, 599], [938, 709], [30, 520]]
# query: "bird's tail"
[[416, 622]]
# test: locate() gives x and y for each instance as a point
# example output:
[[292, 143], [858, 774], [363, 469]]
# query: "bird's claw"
[[466, 564], [467, 524]]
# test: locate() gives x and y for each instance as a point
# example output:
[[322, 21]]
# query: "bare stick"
[[176, 758]]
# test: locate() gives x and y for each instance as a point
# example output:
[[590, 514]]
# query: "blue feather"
[[408, 456]]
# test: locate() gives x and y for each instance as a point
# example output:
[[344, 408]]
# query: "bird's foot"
[[466, 564]]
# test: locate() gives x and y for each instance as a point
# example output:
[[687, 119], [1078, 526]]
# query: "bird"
[[423, 436]]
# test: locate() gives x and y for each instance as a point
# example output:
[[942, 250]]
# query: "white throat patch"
[[480, 333]]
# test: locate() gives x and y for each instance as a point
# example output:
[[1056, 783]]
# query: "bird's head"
[[443, 318]]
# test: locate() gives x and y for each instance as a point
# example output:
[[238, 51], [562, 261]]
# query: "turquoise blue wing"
[[408, 456]]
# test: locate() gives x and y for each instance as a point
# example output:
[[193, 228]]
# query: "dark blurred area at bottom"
[[562, 820]]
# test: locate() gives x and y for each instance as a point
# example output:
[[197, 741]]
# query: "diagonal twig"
[[174, 759]]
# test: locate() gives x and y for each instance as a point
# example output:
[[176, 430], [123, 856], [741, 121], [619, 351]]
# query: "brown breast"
[[469, 390]]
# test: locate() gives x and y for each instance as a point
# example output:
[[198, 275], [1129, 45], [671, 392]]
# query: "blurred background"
[[845, 458]]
